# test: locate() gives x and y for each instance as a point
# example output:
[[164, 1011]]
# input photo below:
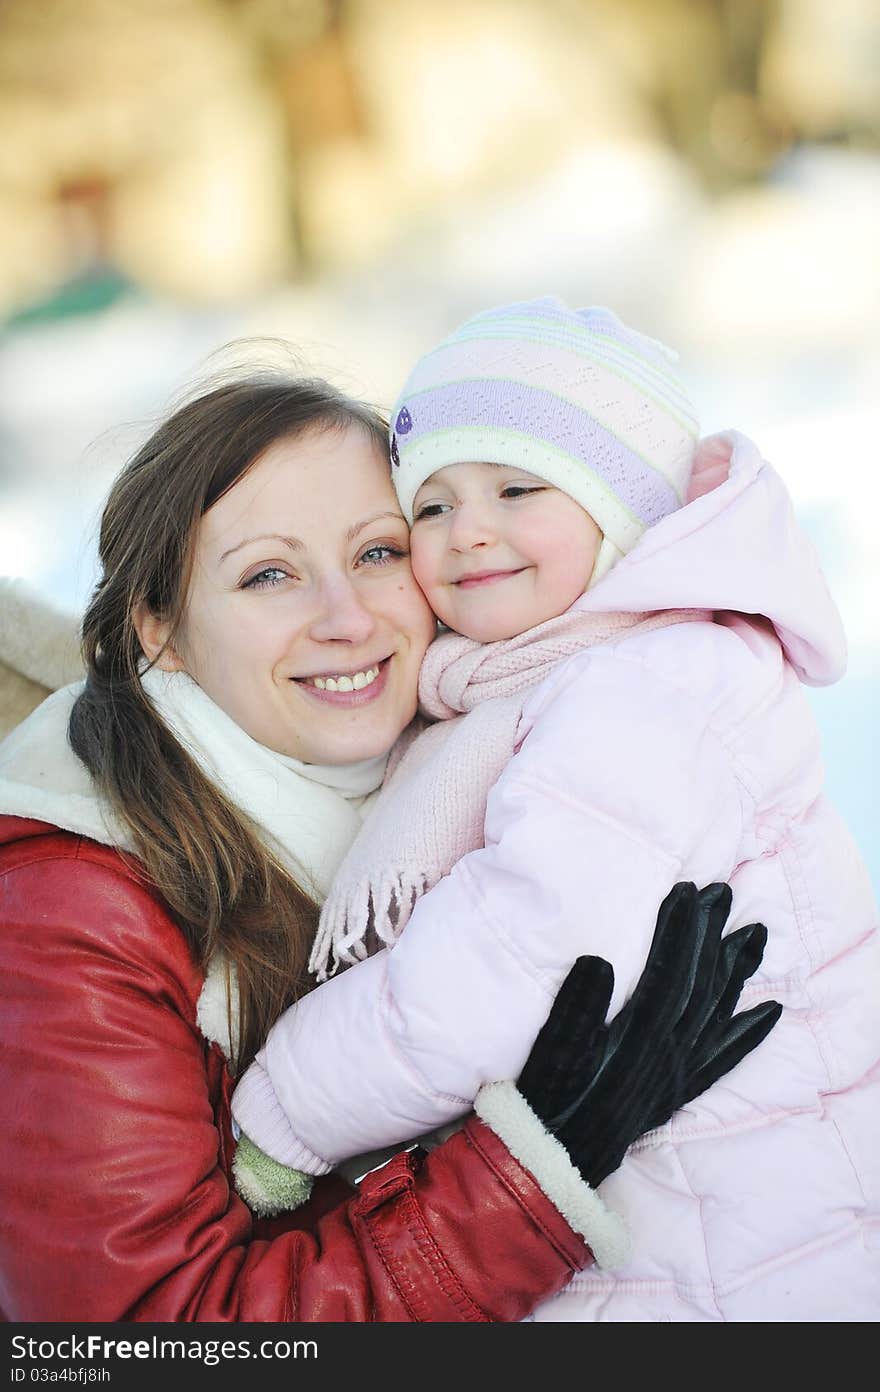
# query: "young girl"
[[618, 708]]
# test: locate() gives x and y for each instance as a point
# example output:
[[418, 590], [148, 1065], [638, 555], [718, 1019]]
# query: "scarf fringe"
[[369, 917]]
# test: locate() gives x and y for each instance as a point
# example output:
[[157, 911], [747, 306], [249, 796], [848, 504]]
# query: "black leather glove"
[[598, 1087]]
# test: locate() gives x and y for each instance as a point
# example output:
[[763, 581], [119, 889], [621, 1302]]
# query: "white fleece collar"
[[41, 777]]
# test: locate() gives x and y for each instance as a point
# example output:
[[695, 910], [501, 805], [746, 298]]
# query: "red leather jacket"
[[115, 1147]]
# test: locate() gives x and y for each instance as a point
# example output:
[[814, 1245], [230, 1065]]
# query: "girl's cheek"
[[420, 564], [429, 546]]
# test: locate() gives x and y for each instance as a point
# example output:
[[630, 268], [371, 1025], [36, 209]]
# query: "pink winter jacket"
[[688, 753]]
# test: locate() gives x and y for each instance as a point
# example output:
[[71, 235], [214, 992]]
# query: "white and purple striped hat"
[[571, 395]]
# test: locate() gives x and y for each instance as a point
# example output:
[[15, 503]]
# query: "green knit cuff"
[[267, 1186]]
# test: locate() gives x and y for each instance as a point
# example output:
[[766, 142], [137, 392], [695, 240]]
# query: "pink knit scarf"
[[432, 808]]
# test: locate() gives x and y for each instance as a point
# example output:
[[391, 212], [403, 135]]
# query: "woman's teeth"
[[354, 683]]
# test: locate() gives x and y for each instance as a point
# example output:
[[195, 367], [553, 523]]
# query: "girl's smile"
[[486, 577]]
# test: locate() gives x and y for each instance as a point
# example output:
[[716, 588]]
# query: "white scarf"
[[307, 814]]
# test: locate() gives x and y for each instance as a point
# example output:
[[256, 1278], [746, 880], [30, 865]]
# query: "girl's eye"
[[520, 490], [431, 510], [382, 554], [265, 579]]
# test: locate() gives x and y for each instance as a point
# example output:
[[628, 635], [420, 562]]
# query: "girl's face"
[[497, 550], [303, 621]]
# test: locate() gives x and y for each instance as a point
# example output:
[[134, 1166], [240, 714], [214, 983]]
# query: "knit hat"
[[571, 395]]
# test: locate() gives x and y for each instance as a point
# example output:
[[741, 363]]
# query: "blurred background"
[[354, 177]]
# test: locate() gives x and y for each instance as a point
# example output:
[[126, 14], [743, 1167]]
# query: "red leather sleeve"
[[116, 1204]]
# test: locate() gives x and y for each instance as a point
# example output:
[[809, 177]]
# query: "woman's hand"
[[597, 1087]]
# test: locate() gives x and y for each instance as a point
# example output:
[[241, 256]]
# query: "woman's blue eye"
[[265, 579], [381, 555]]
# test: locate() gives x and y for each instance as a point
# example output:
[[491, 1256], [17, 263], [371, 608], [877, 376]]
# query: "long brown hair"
[[222, 886]]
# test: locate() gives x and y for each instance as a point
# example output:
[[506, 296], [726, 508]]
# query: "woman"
[[160, 875]]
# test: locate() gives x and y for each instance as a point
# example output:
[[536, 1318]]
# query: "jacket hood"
[[736, 545]]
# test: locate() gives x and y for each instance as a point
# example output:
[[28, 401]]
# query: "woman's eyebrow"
[[368, 522], [292, 543]]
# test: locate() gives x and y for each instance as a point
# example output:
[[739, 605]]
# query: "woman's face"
[[303, 622]]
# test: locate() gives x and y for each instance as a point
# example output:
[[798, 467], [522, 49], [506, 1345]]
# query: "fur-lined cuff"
[[502, 1107], [267, 1187]]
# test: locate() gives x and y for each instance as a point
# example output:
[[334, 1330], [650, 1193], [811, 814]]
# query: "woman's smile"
[[349, 689]]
